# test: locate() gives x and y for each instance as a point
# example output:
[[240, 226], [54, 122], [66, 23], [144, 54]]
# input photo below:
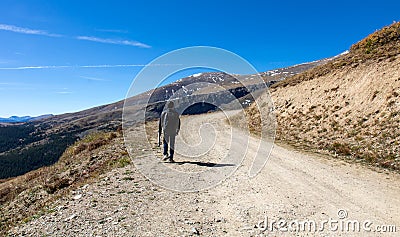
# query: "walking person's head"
[[170, 105]]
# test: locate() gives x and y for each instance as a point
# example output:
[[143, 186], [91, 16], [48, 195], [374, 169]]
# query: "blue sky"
[[65, 56]]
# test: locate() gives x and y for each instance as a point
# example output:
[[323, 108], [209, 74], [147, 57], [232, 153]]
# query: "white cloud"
[[23, 30], [93, 78], [33, 67], [28, 31], [4, 61], [111, 65], [13, 84], [114, 41], [87, 66], [63, 92], [112, 31], [16, 86]]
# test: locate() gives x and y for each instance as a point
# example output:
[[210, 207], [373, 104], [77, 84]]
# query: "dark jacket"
[[170, 122]]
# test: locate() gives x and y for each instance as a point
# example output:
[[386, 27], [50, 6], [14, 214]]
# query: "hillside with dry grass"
[[31, 195], [349, 106], [379, 46]]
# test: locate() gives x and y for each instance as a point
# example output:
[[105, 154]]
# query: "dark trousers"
[[169, 139]]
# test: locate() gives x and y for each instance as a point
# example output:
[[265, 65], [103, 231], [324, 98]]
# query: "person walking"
[[169, 126]]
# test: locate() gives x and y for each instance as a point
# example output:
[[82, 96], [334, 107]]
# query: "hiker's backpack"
[[170, 121]]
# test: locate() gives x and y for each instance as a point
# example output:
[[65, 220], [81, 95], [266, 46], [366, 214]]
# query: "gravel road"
[[293, 187]]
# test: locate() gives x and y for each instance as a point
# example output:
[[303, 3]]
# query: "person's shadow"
[[206, 164]]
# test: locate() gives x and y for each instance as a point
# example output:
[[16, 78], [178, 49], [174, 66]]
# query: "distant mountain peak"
[[17, 119]]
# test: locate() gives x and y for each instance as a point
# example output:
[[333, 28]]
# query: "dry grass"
[[27, 195], [348, 107], [378, 46], [92, 142], [258, 119], [252, 122]]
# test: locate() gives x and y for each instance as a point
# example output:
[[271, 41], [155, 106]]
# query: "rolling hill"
[[349, 106], [36, 143]]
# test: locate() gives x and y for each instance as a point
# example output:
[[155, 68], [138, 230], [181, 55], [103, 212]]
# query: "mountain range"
[[347, 107], [29, 143], [16, 119], [35, 142]]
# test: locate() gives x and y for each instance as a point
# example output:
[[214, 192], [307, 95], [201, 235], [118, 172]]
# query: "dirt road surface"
[[293, 187]]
